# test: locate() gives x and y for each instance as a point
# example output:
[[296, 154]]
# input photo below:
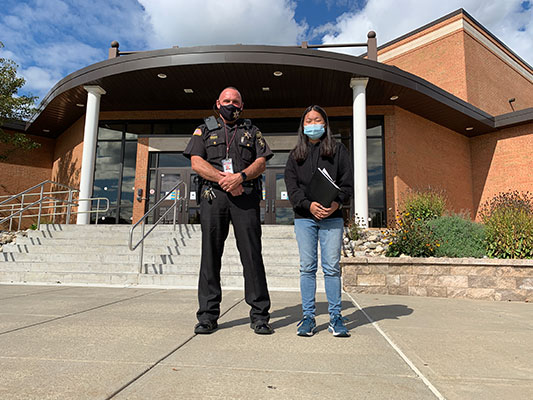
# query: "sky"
[[50, 39]]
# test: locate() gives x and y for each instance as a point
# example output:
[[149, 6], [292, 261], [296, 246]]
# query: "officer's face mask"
[[230, 112], [314, 131]]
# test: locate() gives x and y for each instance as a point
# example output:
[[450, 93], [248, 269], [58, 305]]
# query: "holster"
[[199, 184]]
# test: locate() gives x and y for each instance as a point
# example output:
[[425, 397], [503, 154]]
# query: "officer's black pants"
[[215, 216]]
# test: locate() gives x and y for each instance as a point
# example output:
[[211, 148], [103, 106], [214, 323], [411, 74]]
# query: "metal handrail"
[[18, 209], [13, 197], [177, 200], [96, 211], [33, 194]]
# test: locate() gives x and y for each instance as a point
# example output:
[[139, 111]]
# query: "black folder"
[[322, 189]]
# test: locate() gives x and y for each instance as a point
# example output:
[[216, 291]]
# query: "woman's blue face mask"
[[314, 131]]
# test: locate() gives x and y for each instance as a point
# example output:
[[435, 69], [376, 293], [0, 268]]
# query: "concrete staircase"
[[99, 255]]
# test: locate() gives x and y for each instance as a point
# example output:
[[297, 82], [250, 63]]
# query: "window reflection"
[[279, 159], [375, 173], [114, 176], [107, 171], [173, 160], [116, 161], [110, 132], [128, 182]]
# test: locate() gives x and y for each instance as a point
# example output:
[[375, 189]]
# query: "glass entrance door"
[[275, 205], [165, 179], [166, 169]]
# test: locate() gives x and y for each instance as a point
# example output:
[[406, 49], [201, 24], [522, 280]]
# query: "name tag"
[[227, 164]]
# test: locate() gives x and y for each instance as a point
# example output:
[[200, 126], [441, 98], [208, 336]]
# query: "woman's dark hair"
[[327, 143]]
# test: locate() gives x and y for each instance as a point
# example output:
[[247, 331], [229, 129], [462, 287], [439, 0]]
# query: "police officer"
[[230, 154]]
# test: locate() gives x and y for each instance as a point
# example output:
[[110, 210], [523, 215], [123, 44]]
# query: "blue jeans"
[[308, 233]]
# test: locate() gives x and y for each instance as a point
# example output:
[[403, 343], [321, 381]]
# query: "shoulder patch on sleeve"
[[258, 134], [197, 132]]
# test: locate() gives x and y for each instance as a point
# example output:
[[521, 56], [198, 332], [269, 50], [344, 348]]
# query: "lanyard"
[[231, 140]]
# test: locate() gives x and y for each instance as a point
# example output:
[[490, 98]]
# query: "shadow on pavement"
[[292, 315]]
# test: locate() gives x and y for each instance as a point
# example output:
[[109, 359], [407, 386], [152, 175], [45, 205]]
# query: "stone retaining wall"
[[486, 279]]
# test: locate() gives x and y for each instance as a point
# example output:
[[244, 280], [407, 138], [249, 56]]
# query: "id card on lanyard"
[[227, 163]]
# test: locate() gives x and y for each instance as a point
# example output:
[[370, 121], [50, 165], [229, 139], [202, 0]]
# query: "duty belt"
[[245, 184]]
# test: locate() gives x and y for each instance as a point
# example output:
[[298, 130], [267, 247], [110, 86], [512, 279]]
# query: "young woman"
[[314, 222]]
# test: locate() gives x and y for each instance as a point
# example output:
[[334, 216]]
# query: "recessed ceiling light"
[[278, 73], [188, 91], [80, 105], [469, 128], [394, 97], [46, 130], [266, 89], [162, 76]]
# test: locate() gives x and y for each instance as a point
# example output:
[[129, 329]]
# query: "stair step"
[[114, 241], [99, 255], [228, 263], [109, 251]]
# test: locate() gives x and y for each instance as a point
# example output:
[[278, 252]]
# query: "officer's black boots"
[[205, 327], [262, 328]]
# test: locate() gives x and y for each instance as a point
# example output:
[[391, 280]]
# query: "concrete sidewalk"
[[98, 343]]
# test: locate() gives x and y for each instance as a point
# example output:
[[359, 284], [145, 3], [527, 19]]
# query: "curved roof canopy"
[[309, 77]]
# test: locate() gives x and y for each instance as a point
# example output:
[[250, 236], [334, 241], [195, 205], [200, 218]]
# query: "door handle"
[[273, 205], [266, 206]]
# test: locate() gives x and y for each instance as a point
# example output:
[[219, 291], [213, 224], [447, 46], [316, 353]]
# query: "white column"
[[360, 178], [89, 151]]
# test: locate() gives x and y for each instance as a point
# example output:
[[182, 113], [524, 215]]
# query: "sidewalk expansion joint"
[[77, 313], [411, 365], [132, 381], [34, 293]]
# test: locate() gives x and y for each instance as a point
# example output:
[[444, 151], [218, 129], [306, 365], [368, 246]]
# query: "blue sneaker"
[[336, 326], [306, 327]]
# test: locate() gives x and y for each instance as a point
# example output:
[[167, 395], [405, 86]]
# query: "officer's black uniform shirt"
[[247, 145]]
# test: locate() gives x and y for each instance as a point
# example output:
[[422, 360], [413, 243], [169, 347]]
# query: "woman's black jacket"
[[298, 175]]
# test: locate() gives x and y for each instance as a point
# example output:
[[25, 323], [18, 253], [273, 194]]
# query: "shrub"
[[458, 237], [508, 218], [354, 228], [412, 237], [424, 205]]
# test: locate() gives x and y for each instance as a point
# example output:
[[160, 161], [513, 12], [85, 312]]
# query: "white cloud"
[[506, 19], [51, 38], [39, 80], [67, 56], [208, 22]]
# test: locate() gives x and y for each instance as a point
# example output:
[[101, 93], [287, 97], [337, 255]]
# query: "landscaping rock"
[[8, 237], [373, 243]]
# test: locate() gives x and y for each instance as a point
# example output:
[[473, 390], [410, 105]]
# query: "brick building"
[[447, 105]]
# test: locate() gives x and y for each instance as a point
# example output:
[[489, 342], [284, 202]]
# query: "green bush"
[[412, 237], [458, 236], [508, 219], [354, 227], [424, 205], [354, 231]]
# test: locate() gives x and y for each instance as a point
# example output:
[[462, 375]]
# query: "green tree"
[[13, 108]]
